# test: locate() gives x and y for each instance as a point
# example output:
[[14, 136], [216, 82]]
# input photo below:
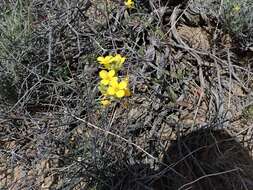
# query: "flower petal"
[[100, 58], [129, 4], [107, 60], [105, 82], [103, 74], [114, 83], [111, 73], [107, 66], [120, 93], [108, 57], [123, 85], [114, 79], [111, 91], [105, 102], [122, 60], [117, 56]]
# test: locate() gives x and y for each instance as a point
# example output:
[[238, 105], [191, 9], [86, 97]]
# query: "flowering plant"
[[129, 4], [110, 86]]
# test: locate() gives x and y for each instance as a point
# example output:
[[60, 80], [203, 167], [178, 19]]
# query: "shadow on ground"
[[205, 159]]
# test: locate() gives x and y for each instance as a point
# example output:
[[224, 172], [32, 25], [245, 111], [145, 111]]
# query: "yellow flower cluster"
[[129, 4], [112, 62], [236, 8], [110, 86]]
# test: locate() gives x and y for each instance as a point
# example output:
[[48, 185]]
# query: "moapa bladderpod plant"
[[112, 86], [129, 4], [237, 18]]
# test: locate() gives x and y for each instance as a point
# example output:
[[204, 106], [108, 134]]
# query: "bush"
[[238, 21], [15, 32]]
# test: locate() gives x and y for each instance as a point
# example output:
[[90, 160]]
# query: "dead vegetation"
[[186, 73]]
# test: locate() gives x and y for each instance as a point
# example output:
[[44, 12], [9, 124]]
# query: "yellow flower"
[[105, 102], [118, 61], [236, 8], [129, 4], [107, 76], [118, 89], [106, 61]]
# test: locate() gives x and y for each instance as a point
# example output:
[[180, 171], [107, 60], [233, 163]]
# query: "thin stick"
[[230, 80], [209, 175], [77, 37], [49, 50], [176, 21]]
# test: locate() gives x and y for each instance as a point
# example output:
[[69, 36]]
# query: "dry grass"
[[53, 132]]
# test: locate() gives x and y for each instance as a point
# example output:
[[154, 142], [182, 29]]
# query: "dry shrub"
[[58, 135]]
